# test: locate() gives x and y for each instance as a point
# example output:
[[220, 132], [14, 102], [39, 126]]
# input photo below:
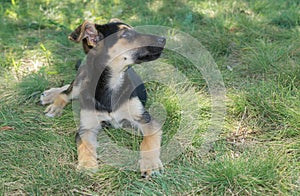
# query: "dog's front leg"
[[86, 140], [150, 163]]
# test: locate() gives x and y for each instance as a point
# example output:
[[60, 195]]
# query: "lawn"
[[252, 148]]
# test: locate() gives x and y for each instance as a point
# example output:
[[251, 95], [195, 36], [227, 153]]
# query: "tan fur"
[[56, 108], [87, 155], [150, 148], [58, 100], [89, 119], [115, 20], [122, 54], [50, 95], [130, 110]]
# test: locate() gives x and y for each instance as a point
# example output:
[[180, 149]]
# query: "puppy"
[[109, 91]]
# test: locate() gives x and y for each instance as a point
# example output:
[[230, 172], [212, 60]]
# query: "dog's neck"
[[117, 72], [113, 86], [116, 79]]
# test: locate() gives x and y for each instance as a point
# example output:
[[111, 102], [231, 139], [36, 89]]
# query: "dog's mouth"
[[149, 53]]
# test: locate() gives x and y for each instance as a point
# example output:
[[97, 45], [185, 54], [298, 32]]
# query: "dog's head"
[[120, 41]]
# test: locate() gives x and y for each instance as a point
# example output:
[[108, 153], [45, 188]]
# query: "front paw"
[[53, 110], [87, 155], [91, 167], [150, 167]]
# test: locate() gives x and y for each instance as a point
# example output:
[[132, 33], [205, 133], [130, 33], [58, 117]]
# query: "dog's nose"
[[161, 40]]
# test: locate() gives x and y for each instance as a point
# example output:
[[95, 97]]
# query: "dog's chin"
[[147, 57]]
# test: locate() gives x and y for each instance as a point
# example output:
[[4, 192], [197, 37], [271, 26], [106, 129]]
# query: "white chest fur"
[[131, 111]]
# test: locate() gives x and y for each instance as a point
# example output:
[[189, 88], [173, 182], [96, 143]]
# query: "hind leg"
[[48, 96]]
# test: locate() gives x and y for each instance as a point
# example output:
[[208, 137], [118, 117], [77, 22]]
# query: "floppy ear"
[[86, 30]]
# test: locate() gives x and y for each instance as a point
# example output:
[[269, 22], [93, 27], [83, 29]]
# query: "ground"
[[256, 48]]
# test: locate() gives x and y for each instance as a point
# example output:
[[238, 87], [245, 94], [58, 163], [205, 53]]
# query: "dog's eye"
[[126, 34]]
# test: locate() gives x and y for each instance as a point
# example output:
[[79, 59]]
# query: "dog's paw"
[[90, 168], [57, 107], [48, 96], [53, 110], [151, 167]]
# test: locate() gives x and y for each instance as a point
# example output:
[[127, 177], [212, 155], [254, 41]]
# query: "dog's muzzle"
[[151, 52]]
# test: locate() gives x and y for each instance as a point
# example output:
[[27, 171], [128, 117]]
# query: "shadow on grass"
[[35, 47]]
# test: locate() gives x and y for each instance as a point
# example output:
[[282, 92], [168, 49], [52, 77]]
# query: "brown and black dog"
[[109, 91]]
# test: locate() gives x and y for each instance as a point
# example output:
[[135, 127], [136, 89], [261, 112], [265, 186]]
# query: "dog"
[[110, 91]]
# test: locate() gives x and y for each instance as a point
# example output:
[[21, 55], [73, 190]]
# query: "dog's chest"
[[112, 92], [116, 81], [115, 119], [128, 112]]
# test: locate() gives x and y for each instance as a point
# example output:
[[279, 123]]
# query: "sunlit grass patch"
[[256, 46]]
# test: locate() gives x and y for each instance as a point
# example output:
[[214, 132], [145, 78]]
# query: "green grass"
[[256, 46]]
